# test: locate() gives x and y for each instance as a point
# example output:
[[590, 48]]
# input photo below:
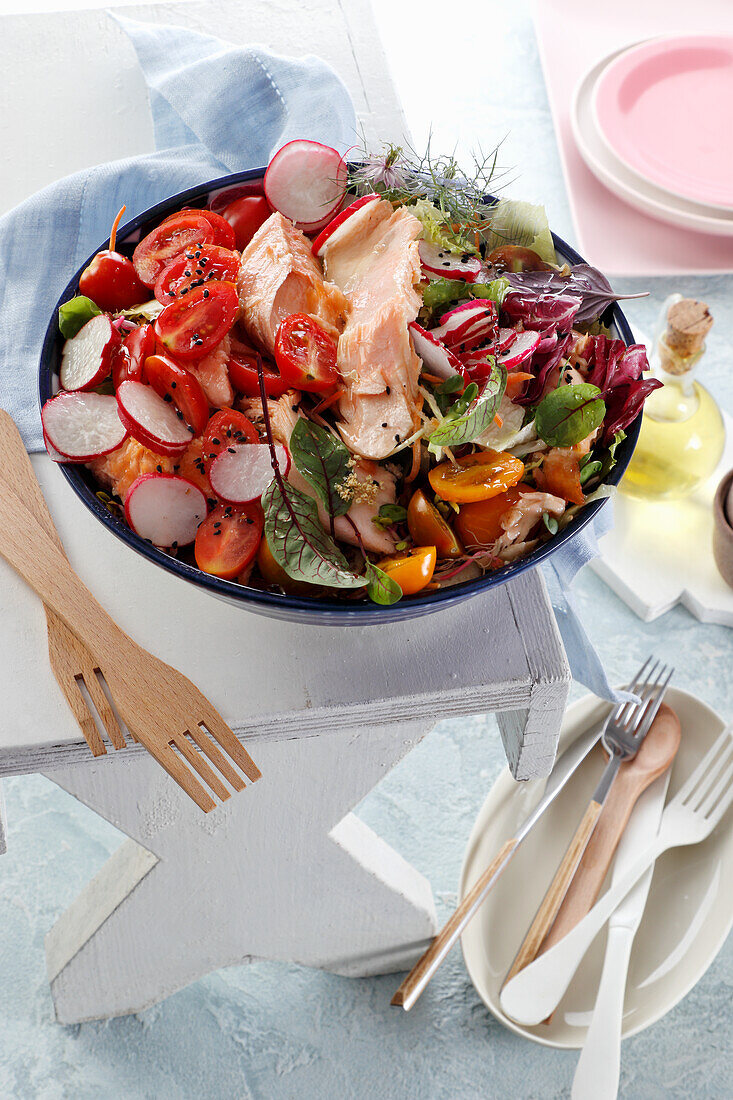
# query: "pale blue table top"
[[272, 1031]]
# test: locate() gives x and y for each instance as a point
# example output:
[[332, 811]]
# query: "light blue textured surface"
[[276, 1032]]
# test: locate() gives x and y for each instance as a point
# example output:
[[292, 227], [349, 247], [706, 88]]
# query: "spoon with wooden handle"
[[655, 755]]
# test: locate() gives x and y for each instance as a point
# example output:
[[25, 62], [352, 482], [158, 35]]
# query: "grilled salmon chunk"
[[279, 275], [374, 259]]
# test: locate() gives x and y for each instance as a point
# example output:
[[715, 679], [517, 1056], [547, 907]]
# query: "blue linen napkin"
[[216, 108]]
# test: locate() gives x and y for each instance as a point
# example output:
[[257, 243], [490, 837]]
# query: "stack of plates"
[[654, 123]]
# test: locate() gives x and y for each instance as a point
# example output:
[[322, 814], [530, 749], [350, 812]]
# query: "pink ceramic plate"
[[665, 108]]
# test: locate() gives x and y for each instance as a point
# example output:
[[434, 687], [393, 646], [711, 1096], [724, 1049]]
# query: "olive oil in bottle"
[[682, 433]]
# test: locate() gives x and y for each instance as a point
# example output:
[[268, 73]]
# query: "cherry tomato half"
[[428, 527], [186, 272], [274, 574], [245, 216], [131, 354], [156, 251], [226, 428], [191, 327], [223, 232], [175, 384], [111, 281], [412, 570], [306, 354], [477, 476], [242, 367], [514, 257], [227, 540], [479, 523]]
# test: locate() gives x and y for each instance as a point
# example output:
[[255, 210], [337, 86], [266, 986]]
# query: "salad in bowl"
[[341, 385]]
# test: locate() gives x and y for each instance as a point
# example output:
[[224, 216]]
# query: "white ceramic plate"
[[623, 181], [688, 914]]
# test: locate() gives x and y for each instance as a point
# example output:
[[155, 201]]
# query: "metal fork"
[[160, 707], [626, 727], [689, 818]]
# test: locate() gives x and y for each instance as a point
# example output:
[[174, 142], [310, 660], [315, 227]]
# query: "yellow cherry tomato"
[[479, 523], [273, 573], [428, 527], [412, 570], [476, 477]]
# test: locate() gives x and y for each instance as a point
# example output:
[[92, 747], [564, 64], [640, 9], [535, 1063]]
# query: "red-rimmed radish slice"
[[506, 337], [87, 357], [306, 181], [522, 348], [458, 322], [439, 261], [56, 455], [152, 421], [318, 246], [82, 426], [165, 509], [243, 472], [438, 359]]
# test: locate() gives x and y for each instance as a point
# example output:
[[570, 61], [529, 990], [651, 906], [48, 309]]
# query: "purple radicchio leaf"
[[540, 311], [611, 363], [624, 403], [543, 365], [583, 280]]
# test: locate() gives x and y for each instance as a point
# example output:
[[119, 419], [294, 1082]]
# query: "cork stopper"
[[688, 323]]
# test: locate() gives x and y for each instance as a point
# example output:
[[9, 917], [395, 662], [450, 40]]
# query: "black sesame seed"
[[204, 260], [179, 414], [186, 272], [388, 391], [216, 442], [173, 385], [446, 263], [397, 437], [232, 450], [174, 544], [184, 291], [159, 469], [218, 523], [206, 294], [384, 424], [167, 397], [217, 532], [171, 293]]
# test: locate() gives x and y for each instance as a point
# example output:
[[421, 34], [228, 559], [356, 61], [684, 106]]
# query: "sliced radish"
[[165, 509], [439, 359], [152, 421], [523, 347], [439, 261], [87, 357], [56, 455], [469, 319], [242, 473], [317, 248], [82, 426], [506, 337], [306, 181]]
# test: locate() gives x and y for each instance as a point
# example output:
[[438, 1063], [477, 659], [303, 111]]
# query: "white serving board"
[[661, 554]]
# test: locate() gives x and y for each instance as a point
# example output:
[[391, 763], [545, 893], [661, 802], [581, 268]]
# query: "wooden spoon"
[[655, 755]]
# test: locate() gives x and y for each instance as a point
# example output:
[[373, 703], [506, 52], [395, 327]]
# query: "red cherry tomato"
[[191, 327], [245, 216], [306, 354], [226, 428], [224, 234], [155, 251], [132, 353], [242, 367], [184, 274], [175, 384], [227, 540], [111, 281]]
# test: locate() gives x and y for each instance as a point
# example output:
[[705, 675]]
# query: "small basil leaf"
[[380, 586], [75, 313], [325, 463], [550, 523], [590, 470], [476, 417], [569, 414], [451, 385]]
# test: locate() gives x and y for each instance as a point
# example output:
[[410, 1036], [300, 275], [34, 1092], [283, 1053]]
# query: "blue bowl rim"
[[231, 590]]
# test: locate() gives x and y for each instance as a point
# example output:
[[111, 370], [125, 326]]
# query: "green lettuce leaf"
[[75, 313], [515, 222], [438, 230]]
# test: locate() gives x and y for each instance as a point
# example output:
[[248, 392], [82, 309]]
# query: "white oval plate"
[[624, 182], [688, 914]]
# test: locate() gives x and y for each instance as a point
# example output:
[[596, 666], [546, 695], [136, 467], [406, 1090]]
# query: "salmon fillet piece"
[[279, 275], [374, 485], [121, 467], [212, 373], [374, 259]]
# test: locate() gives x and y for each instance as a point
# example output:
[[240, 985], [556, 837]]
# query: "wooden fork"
[[71, 662], [161, 707]]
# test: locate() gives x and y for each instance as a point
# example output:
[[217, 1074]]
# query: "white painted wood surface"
[[646, 558], [283, 870]]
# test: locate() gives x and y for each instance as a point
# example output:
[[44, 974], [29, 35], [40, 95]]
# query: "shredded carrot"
[[115, 226], [498, 421], [415, 468], [432, 378], [328, 401]]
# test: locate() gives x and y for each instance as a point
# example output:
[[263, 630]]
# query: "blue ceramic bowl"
[[295, 608]]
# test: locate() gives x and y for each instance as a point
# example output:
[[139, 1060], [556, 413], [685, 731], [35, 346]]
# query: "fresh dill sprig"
[[402, 175]]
